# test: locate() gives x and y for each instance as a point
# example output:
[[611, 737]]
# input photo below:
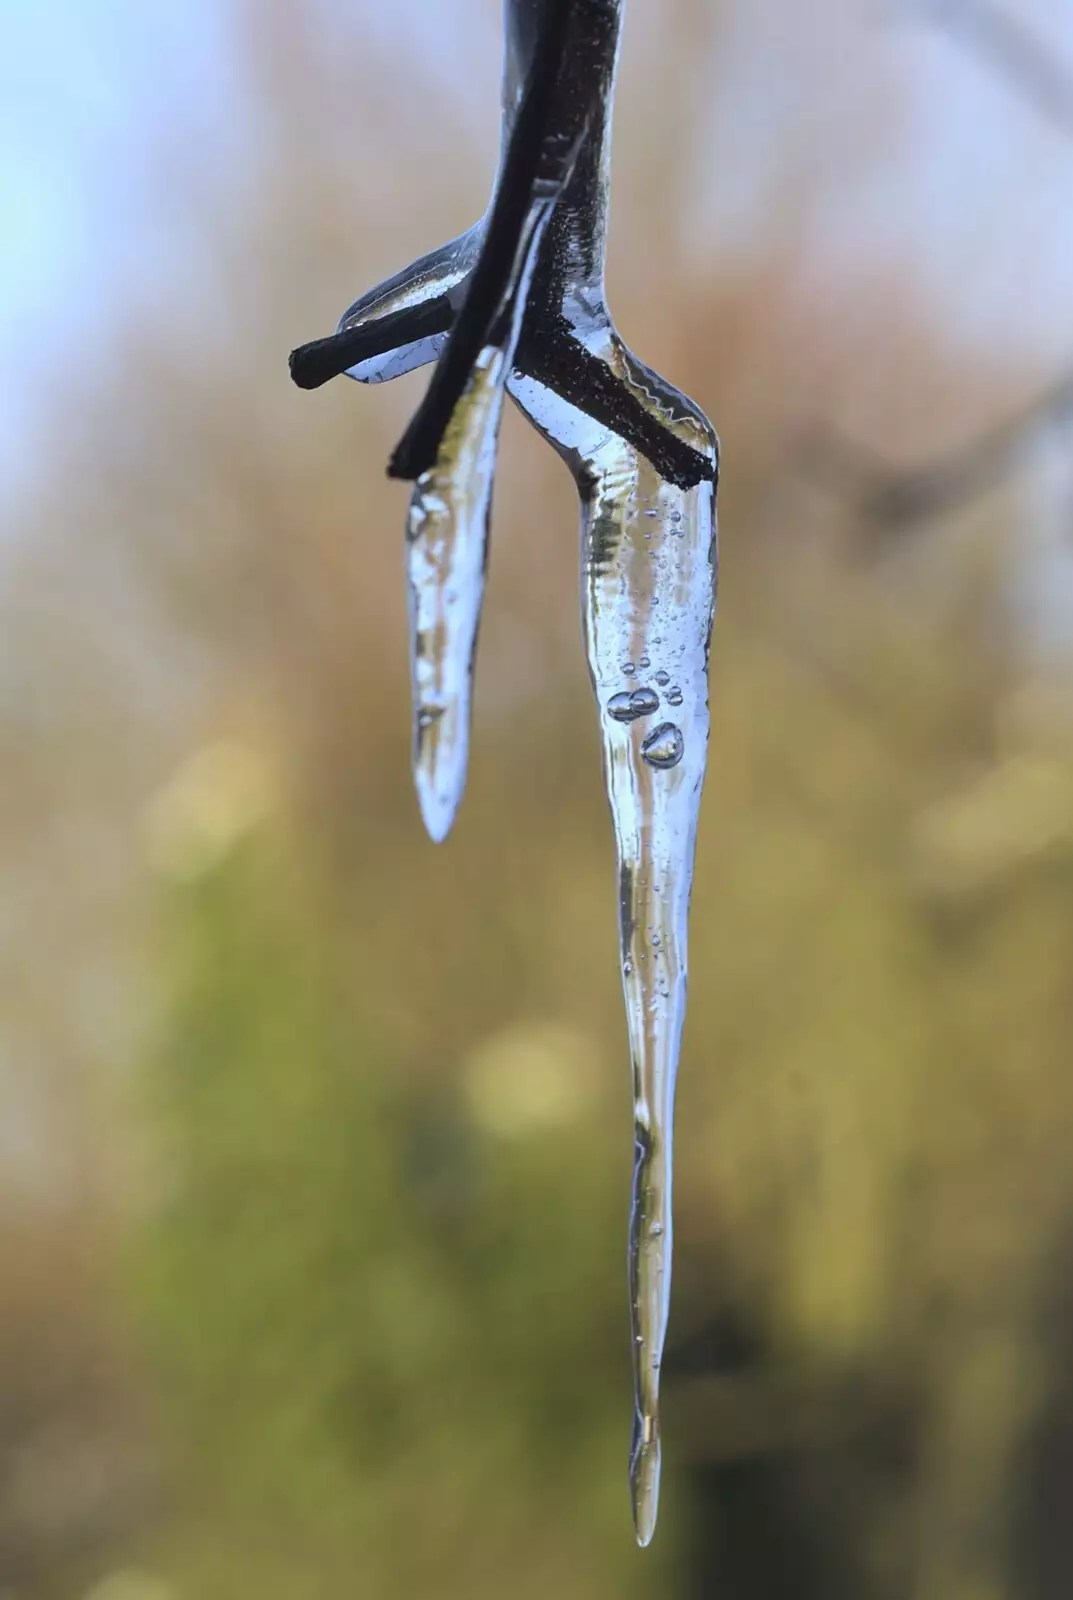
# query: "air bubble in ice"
[[664, 746], [628, 707]]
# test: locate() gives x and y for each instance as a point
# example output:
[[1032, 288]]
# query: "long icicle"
[[648, 581]]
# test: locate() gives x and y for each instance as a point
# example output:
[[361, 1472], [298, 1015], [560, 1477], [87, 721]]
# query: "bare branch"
[[891, 500]]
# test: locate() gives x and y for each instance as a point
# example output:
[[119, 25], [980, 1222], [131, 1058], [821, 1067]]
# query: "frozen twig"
[[517, 305]]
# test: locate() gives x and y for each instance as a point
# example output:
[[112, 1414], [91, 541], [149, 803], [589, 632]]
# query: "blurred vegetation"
[[316, 1139]]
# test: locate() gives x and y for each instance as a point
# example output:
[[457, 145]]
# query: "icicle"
[[450, 446], [447, 555], [648, 576]]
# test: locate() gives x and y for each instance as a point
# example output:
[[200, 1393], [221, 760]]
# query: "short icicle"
[[448, 524], [446, 560], [447, 551]]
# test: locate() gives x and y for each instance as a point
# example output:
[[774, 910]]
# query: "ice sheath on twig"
[[518, 304]]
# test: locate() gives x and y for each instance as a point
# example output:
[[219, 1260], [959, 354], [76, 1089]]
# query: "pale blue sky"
[[84, 85], [81, 84]]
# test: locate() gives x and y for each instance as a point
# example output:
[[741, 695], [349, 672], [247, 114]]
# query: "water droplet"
[[674, 696], [645, 662], [656, 1230], [629, 668], [628, 707], [663, 679], [664, 746]]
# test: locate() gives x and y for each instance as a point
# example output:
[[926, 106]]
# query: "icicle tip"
[[438, 812], [645, 1462]]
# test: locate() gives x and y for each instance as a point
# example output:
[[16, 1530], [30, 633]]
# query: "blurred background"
[[314, 1138]]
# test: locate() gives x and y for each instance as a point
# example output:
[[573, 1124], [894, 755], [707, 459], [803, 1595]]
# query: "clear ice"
[[447, 551], [644, 459]]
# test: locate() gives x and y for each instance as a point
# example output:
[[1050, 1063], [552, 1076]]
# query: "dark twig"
[[529, 160], [563, 364], [549, 350], [323, 359]]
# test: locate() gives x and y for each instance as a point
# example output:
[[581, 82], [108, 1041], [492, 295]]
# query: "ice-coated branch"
[[321, 360], [542, 139], [450, 448], [517, 305], [539, 160]]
